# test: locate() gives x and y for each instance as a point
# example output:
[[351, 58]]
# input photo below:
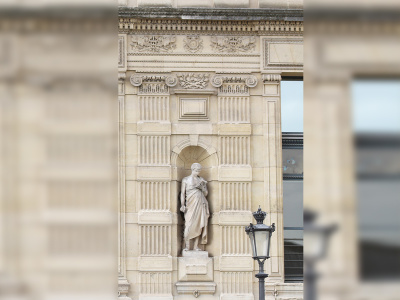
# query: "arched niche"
[[186, 153]]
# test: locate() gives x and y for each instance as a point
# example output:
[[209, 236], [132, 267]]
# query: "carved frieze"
[[233, 44], [153, 43], [193, 80], [193, 43]]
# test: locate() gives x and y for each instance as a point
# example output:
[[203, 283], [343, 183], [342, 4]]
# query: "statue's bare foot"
[[197, 249], [185, 249]]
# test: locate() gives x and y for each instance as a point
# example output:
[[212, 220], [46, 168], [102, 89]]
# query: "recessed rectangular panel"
[[193, 108], [283, 54]]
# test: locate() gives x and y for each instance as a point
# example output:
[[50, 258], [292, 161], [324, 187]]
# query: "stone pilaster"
[[273, 171]]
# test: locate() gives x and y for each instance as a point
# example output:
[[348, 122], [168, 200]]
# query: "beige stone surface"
[[194, 3], [214, 3], [232, 3], [191, 96]]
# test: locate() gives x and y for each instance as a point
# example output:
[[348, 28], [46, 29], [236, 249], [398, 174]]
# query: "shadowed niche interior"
[[185, 159]]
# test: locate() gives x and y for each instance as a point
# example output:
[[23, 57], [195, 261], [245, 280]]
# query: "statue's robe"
[[197, 211]]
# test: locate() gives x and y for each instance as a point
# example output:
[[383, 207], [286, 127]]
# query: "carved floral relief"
[[154, 43], [233, 44], [193, 80], [193, 43]]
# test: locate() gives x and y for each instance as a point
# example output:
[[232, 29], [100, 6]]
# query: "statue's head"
[[196, 168]]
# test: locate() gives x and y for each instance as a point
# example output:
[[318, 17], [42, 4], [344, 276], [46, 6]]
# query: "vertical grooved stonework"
[[154, 108], [234, 150], [234, 109], [236, 282], [155, 283], [155, 240], [235, 195], [154, 195], [234, 241], [154, 150]]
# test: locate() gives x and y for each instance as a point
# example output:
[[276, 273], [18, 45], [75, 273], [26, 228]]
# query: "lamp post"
[[260, 239], [316, 240]]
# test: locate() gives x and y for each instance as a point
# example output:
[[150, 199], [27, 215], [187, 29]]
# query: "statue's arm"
[[183, 196]]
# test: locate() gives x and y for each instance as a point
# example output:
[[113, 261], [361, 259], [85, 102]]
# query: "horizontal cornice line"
[[223, 14]]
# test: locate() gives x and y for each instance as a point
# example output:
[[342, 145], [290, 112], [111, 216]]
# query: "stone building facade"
[[202, 84]]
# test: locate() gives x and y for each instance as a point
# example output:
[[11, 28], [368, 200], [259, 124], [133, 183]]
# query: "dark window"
[[376, 124], [292, 155]]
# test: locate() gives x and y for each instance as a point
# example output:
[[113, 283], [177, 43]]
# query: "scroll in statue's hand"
[[201, 185]]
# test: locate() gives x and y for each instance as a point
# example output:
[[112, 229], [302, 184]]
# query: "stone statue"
[[195, 207]]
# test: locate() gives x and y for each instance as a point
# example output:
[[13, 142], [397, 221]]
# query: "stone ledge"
[[234, 129], [155, 263], [231, 14], [153, 128], [235, 173], [154, 217], [192, 287], [235, 217]]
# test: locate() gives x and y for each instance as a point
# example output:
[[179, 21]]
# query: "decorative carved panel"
[[233, 44], [153, 43]]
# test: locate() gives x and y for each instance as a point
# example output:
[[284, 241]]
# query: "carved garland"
[[153, 43], [233, 44], [193, 80]]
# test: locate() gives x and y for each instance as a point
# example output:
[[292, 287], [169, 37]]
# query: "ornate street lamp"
[[316, 239], [260, 239]]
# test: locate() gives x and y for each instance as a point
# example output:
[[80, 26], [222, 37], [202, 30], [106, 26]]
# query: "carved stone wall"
[[201, 91]]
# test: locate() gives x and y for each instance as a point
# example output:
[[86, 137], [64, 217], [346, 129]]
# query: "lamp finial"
[[259, 215]]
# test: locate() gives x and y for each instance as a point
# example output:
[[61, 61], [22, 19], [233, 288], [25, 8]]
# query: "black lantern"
[[316, 237], [260, 239], [316, 240]]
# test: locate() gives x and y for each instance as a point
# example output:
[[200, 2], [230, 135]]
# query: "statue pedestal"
[[195, 271]]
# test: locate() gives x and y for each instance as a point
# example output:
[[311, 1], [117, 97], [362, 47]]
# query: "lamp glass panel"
[[314, 244], [262, 239], [251, 236]]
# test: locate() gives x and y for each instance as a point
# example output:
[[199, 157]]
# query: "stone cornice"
[[238, 14], [172, 26]]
